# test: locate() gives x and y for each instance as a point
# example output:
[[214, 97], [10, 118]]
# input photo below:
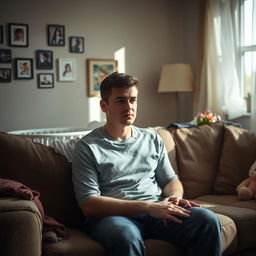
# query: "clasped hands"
[[170, 207]]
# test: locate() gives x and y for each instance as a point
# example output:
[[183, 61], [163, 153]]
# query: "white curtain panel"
[[219, 83], [253, 65]]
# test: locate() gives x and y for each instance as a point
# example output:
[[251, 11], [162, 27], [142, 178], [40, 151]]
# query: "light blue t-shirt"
[[135, 169]]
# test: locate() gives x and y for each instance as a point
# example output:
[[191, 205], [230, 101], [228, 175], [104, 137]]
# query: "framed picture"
[[67, 69], [23, 68], [76, 44], [1, 34], [18, 35], [45, 80], [97, 70], [56, 35], [5, 75], [44, 59], [5, 56]]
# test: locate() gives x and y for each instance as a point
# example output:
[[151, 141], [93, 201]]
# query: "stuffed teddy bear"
[[247, 189]]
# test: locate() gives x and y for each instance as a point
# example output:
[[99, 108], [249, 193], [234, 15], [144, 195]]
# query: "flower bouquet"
[[206, 117]]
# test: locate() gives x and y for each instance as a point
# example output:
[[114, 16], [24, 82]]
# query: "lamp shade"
[[176, 78]]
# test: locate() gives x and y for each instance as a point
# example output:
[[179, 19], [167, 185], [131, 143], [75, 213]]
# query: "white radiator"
[[47, 136], [62, 140]]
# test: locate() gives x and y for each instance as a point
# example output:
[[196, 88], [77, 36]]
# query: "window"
[[248, 48]]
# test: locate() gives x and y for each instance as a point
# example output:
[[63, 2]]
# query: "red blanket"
[[17, 189]]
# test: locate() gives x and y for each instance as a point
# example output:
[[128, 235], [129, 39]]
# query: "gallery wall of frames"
[[17, 35]]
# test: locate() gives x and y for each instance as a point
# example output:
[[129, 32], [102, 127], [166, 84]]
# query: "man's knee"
[[129, 240], [121, 235], [207, 228], [206, 218]]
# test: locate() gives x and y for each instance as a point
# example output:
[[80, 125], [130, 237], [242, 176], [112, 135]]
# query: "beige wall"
[[153, 33]]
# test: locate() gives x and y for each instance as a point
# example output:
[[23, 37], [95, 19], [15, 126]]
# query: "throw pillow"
[[238, 154], [198, 151]]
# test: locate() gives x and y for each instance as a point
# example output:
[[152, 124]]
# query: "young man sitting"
[[127, 188]]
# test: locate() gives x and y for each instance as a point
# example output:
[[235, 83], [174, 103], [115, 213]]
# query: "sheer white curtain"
[[219, 83], [253, 66]]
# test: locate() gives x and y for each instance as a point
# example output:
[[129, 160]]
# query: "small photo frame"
[[45, 80], [18, 35], [76, 44], [23, 68], [56, 35], [97, 71], [5, 56], [67, 69], [5, 75], [1, 34], [44, 59]]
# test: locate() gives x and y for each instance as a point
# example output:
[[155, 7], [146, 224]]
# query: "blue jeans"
[[199, 234]]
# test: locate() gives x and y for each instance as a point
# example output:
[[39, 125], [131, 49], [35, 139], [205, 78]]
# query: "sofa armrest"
[[20, 227]]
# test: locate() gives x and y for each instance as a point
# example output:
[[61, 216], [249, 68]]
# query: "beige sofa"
[[210, 161]]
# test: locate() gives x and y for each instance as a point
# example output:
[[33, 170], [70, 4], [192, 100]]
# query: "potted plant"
[[248, 99]]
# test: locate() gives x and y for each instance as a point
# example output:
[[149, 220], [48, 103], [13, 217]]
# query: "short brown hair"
[[116, 80]]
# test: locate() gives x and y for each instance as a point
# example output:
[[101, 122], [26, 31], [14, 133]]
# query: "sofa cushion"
[[80, 243], [228, 235], [77, 244], [42, 169], [156, 247], [170, 147], [198, 151], [245, 223], [238, 154], [228, 200]]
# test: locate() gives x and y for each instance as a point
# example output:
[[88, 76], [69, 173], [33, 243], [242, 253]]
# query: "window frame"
[[243, 49]]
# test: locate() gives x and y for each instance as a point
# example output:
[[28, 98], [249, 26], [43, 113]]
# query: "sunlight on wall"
[[119, 55], [95, 113]]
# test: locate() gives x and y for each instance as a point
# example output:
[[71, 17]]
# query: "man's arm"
[[101, 206], [173, 192], [173, 189]]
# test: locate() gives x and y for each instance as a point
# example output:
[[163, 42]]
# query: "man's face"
[[121, 108]]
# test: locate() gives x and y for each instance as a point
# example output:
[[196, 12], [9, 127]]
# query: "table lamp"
[[176, 78]]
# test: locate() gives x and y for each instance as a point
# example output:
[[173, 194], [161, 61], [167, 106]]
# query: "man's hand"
[[171, 207], [179, 201], [167, 210]]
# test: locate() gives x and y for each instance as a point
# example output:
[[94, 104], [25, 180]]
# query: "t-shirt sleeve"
[[84, 173], [164, 170]]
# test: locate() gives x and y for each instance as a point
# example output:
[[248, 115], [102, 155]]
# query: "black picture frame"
[[44, 59], [5, 75], [45, 80], [18, 35], [24, 68], [53, 38], [1, 34], [97, 71], [5, 55], [76, 44]]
